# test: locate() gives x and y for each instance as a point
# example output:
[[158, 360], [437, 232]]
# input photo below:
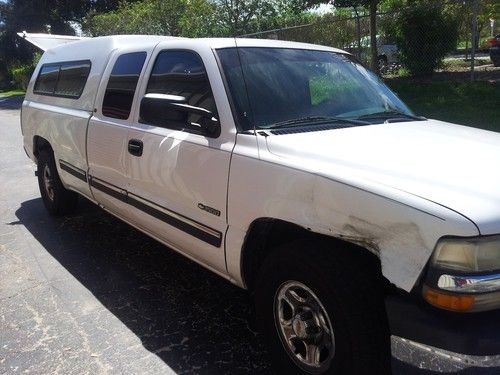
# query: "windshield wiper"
[[392, 114], [315, 120]]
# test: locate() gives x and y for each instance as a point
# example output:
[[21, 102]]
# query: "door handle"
[[135, 147]]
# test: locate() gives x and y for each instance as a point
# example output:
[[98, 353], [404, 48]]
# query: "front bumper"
[[473, 334]]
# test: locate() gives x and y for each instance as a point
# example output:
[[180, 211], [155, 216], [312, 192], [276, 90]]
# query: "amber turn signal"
[[453, 302]]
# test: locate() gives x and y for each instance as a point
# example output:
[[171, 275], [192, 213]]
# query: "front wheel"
[[56, 198], [322, 310]]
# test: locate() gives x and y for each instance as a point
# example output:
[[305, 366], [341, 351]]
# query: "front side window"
[[122, 84], [65, 79], [182, 75], [272, 87]]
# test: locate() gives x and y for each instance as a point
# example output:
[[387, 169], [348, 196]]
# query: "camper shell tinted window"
[[64, 79]]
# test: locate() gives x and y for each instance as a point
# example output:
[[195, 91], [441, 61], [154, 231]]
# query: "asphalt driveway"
[[90, 294]]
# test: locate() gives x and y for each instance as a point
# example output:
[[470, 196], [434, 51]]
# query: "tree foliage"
[[372, 6], [194, 17], [424, 35], [55, 16], [143, 17]]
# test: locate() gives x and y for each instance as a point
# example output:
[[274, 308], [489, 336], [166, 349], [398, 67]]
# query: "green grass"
[[474, 104], [322, 89], [12, 93], [460, 63]]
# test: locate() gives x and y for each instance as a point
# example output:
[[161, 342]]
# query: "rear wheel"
[[322, 310], [56, 198]]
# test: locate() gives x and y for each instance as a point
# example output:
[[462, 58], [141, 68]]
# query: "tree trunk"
[[373, 35], [358, 27]]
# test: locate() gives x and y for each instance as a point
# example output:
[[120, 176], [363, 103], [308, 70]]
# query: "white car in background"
[[387, 51]]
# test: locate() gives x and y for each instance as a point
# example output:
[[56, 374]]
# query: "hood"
[[455, 166]]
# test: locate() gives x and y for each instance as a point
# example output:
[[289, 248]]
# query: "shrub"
[[21, 74], [424, 35]]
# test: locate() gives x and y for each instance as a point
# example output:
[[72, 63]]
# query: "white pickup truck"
[[290, 170]]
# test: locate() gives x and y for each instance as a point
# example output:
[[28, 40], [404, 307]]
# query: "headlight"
[[464, 274], [480, 254]]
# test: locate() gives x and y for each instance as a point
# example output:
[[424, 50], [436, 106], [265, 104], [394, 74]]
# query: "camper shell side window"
[[63, 79]]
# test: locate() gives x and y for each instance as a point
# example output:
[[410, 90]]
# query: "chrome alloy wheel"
[[48, 182], [304, 327]]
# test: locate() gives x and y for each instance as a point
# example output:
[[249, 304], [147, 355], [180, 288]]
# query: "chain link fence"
[[445, 37]]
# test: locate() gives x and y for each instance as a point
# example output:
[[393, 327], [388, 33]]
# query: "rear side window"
[[182, 73], [47, 79], [122, 84], [65, 79]]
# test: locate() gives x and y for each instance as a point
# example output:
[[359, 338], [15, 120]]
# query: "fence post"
[[474, 37]]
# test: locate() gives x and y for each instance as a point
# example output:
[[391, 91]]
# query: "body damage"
[[401, 228]]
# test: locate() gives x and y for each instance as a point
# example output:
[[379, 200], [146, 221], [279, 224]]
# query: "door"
[[107, 143], [178, 185]]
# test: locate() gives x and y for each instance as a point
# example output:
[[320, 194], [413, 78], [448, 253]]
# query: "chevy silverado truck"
[[292, 171]]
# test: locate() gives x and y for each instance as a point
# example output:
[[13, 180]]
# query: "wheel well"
[[40, 144], [266, 234]]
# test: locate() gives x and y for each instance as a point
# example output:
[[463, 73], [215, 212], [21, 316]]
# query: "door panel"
[[107, 150], [185, 178], [108, 141], [181, 177]]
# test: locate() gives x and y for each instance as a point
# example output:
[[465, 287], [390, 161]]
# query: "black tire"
[[57, 199], [349, 286]]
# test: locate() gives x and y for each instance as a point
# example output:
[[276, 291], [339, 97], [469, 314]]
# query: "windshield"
[[276, 86]]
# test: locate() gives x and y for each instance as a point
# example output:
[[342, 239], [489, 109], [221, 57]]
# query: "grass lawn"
[[12, 93], [467, 103]]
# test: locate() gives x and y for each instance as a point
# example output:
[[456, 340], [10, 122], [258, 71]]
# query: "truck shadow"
[[187, 316]]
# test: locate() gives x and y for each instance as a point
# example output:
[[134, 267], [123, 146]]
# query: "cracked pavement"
[[88, 294]]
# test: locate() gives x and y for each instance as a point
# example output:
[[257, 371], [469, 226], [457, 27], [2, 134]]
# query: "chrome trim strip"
[[470, 284]]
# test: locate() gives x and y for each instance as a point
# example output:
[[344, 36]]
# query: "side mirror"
[[173, 110]]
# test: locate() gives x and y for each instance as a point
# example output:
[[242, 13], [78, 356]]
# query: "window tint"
[[182, 73], [47, 79], [65, 79], [72, 78], [122, 84]]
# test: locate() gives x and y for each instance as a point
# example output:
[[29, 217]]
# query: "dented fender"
[[400, 228]]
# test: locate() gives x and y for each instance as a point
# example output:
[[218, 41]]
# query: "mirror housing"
[[163, 110]]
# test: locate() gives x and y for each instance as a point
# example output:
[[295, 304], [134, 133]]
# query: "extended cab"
[[290, 170]]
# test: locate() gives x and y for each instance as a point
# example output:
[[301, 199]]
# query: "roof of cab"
[[108, 43]]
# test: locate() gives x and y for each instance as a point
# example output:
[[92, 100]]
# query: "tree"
[[194, 18], [424, 35], [240, 17], [160, 17], [54, 16], [372, 5]]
